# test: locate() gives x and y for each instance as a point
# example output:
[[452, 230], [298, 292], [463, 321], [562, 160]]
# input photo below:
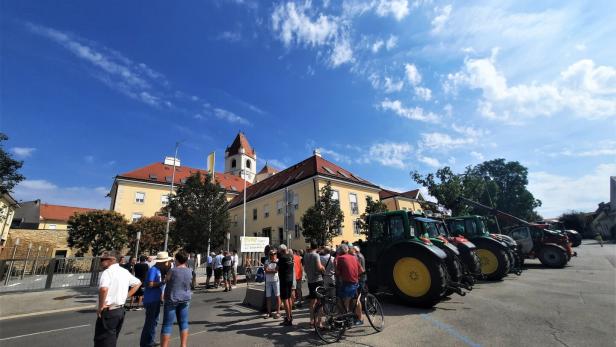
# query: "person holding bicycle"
[[314, 273], [348, 270]]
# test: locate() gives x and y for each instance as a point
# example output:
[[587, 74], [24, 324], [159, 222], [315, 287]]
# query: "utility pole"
[[175, 159], [487, 178]]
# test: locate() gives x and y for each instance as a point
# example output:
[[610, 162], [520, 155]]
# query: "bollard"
[[50, 272]]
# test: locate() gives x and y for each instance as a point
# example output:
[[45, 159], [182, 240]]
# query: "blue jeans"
[[148, 333], [171, 311]]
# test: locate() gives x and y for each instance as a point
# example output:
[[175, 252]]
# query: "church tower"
[[241, 156]]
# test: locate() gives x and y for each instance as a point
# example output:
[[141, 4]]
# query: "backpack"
[[260, 276]]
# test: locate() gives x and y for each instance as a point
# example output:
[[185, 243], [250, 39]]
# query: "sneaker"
[[226, 290], [267, 315], [359, 322], [288, 323], [284, 322], [277, 315], [139, 309]]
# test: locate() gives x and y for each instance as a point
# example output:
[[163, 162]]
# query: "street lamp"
[[137, 245], [487, 178], [175, 158]]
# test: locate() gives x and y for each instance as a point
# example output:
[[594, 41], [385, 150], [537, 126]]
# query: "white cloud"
[[412, 74], [293, 25], [442, 17], [478, 156], [89, 159], [335, 156], [391, 43], [423, 93], [23, 152], [583, 89], [438, 141], [93, 197], [390, 154], [390, 86], [433, 162], [580, 47], [230, 116], [415, 113], [472, 132], [599, 149], [376, 46], [396, 8], [231, 36], [562, 193]]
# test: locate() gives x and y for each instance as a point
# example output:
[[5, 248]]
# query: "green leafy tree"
[[9, 175], [578, 221], [152, 234], [323, 221], [501, 182], [201, 212], [372, 206], [97, 231]]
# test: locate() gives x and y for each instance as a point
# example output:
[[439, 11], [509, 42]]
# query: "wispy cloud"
[[230, 36], [392, 154], [230, 116], [93, 197], [412, 113], [441, 18], [336, 156], [23, 152]]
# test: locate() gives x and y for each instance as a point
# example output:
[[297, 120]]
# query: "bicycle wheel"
[[329, 326], [374, 312]]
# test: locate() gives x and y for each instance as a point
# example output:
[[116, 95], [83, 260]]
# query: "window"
[[296, 201], [396, 228], [335, 195], [139, 197], [254, 214], [279, 206], [353, 201], [520, 233], [377, 228], [266, 211], [233, 163], [52, 226], [164, 199], [297, 231], [136, 216], [357, 227], [248, 164]]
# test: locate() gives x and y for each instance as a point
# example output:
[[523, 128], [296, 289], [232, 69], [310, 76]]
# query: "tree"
[[152, 234], [9, 177], [576, 220], [501, 182], [201, 212], [97, 231], [323, 221], [372, 206]]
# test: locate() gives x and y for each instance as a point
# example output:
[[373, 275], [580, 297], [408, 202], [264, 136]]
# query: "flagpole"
[[175, 158]]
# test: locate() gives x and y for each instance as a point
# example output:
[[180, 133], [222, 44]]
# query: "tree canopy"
[[323, 221], [201, 212], [372, 206], [9, 175], [97, 231], [152, 234], [504, 183]]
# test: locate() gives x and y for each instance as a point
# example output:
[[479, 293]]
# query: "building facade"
[[408, 201], [8, 205]]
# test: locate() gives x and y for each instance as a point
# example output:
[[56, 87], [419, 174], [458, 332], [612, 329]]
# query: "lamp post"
[[137, 245], [228, 240], [175, 158]]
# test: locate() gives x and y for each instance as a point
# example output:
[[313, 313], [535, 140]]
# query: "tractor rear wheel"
[[454, 271], [551, 256], [417, 278], [494, 262]]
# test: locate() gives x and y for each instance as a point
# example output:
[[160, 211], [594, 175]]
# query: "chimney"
[[317, 152], [172, 161]]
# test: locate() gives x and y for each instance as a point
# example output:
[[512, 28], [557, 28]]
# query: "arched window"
[[233, 163], [248, 164]]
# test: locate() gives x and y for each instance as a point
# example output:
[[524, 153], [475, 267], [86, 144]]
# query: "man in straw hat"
[[113, 289], [152, 297]]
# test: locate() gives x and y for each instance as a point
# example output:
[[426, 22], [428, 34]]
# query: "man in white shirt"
[[113, 289], [217, 268], [236, 260]]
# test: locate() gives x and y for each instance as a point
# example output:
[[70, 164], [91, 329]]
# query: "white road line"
[[85, 307], [44, 332]]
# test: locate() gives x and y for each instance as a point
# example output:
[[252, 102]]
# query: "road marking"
[[448, 328], [44, 332], [47, 312]]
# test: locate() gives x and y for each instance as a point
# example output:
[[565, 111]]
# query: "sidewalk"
[[23, 304]]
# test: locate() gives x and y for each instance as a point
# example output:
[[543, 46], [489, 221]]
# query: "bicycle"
[[332, 320]]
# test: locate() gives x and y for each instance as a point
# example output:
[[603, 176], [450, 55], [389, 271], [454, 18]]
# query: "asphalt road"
[[574, 306]]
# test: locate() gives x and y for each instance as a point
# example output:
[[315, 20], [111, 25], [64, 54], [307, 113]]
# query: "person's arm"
[[320, 266], [102, 297]]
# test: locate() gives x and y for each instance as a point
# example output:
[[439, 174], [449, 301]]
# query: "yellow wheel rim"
[[488, 260], [412, 277]]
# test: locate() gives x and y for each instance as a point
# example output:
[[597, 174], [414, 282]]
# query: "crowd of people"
[[162, 281]]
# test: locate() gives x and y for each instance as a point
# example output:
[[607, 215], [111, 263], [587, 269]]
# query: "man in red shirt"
[[348, 270]]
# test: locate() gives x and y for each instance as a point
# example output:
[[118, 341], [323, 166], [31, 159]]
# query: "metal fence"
[[48, 273]]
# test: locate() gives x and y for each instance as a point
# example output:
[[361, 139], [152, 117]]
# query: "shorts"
[[272, 288], [285, 290], [312, 289], [347, 291], [234, 271], [226, 273], [208, 272], [294, 286], [139, 292], [218, 273]]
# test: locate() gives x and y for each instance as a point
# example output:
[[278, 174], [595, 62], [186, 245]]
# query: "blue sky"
[[383, 87]]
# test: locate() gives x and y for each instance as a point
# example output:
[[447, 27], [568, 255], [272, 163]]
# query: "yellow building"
[[7, 211], [408, 201]]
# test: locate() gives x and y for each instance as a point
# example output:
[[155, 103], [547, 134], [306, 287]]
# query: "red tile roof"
[[161, 173], [411, 194], [315, 165], [241, 142], [60, 213], [268, 169]]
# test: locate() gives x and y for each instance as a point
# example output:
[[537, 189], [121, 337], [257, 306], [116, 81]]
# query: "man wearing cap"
[[152, 297], [113, 289]]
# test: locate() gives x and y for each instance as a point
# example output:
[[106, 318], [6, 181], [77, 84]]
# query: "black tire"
[[493, 272], [454, 271], [575, 242], [412, 268], [374, 311], [331, 328], [554, 257]]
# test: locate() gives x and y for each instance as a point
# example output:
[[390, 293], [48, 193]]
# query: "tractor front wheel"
[[551, 256], [494, 262], [417, 278]]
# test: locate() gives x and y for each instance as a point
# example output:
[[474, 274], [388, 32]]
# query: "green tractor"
[[400, 260]]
